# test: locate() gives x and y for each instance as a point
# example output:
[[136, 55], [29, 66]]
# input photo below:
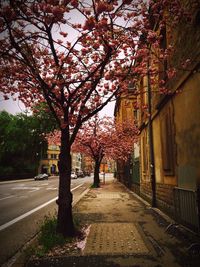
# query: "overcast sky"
[[17, 107], [11, 106]]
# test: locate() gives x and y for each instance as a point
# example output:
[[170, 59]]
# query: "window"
[[145, 153], [53, 156], [197, 18], [131, 87], [167, 142]]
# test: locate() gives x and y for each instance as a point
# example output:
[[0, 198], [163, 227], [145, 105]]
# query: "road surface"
[[23, 206]]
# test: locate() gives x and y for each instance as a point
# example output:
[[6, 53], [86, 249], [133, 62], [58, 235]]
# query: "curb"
[[79, 198], [22, 180], [17, 181]]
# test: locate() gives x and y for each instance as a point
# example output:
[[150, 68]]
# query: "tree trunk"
[[96, 182], [65, 224]]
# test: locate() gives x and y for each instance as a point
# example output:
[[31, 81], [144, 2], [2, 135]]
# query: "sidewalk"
[[124, 231]]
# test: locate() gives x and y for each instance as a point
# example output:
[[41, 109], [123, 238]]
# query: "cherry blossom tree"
[[76, 78], [75, 67], [102, 137], [93, 140]]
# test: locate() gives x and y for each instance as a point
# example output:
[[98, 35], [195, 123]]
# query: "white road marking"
[[33, 189], [77, 186], [6, 197], [24, 188], [26, 214], [51, 188], [3, 226]]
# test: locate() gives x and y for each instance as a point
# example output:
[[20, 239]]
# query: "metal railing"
[[186, 207]]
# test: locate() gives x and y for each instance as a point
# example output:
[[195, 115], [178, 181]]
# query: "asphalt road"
[[24, 204]]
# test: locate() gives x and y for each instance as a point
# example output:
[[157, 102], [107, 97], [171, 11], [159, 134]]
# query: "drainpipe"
[[150, 136]]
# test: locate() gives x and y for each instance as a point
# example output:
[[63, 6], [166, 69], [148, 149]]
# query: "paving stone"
[[114, 238], [109, 195]]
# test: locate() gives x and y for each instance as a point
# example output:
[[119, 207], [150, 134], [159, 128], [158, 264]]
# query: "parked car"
[[73, 175], [80, 174], [41, 176]]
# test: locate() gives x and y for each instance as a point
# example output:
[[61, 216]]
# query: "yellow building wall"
[[124, 111], [161, 176], [52, 159], [157, 150], [187, 120], [104, 167], [125, 107], [144, 156], [176, 115]]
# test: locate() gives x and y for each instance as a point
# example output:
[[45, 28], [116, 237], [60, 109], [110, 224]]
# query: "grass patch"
[[94, 186], [49, 239]]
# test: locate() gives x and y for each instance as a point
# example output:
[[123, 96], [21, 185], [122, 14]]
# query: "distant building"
[[107, 166], [87, 164], [49, 162], [76, 162], [128, 171]]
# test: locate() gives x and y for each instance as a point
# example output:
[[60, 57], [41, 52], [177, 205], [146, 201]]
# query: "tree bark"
[[65, 224], [96, 182]]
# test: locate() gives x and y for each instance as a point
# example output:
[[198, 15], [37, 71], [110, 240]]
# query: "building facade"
[[107, 166], [175, 123], [49, 162], [127, 172], [87, 164], [76, 162]]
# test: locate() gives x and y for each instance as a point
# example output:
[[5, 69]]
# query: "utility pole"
[[150, 136]]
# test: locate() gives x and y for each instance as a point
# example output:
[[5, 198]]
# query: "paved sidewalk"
[[125, 231]]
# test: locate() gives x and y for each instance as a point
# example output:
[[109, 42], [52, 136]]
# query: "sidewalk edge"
[[161, 213], [169, 220]]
